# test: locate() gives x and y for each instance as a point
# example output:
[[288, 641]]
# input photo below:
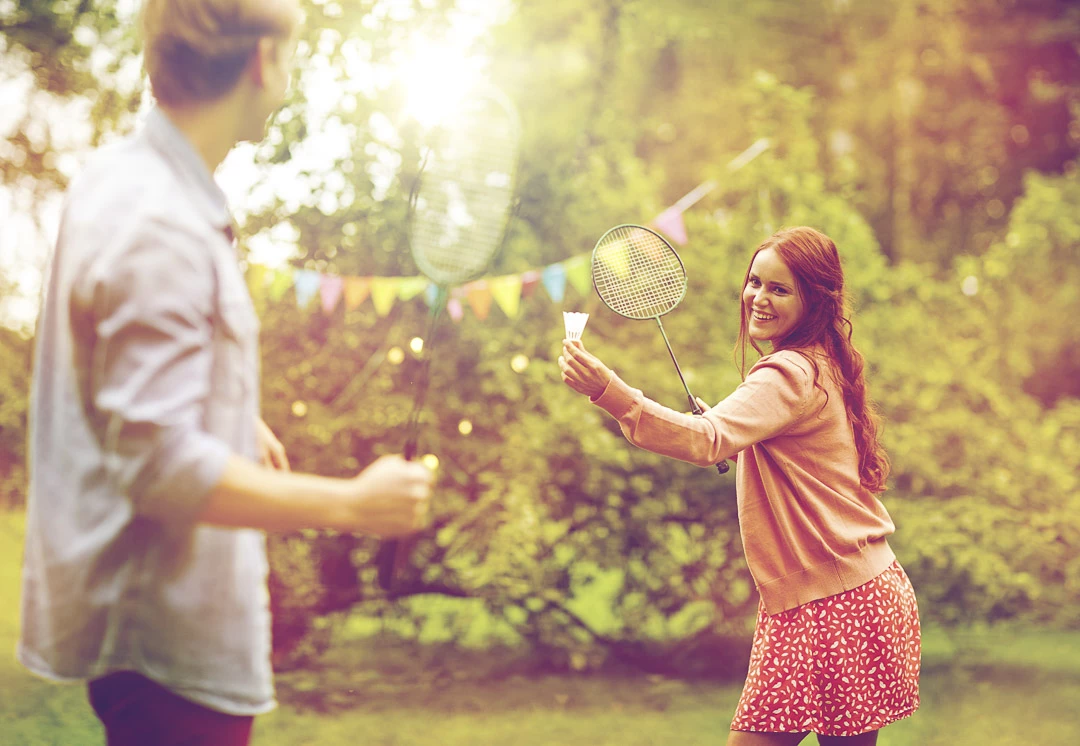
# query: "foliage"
[[995, 470], [905, 135], [81, 57], [15, 354], [1007, 686]]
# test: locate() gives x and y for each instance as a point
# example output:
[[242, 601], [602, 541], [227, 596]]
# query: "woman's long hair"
[[813, 260]]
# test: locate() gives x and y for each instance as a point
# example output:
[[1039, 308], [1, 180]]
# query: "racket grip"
[[390, 551], [386, 559]]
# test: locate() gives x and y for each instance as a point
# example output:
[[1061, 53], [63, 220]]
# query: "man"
[[145, 567]]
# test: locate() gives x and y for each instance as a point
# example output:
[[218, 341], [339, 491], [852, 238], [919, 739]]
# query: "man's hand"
[[391, 497], [271, 452]]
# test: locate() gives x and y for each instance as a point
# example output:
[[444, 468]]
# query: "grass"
[[1000, 687]]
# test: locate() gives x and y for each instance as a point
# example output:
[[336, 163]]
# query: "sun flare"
[[437, 76]]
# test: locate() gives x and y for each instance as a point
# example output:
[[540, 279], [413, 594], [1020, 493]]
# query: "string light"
[[970, 285], [395, 355], [416, 344], [464, 427], [299, 408], [519, 363], [430, 460]]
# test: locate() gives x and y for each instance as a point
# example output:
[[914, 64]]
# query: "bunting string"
[[505, 291]]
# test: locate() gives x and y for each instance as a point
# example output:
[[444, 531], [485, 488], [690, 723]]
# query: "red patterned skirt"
[[839, 666]]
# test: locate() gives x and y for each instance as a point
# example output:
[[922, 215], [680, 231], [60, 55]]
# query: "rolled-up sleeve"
[[151, 305], [775, 396]]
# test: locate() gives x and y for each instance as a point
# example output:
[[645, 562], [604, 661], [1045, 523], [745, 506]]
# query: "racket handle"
[[392, 554], [386, 559], [722, 467], [393, 551]]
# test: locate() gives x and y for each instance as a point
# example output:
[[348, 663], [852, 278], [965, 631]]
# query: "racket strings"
[[465, 195], [637, 274]]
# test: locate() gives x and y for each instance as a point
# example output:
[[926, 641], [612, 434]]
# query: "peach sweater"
[[809, 528]]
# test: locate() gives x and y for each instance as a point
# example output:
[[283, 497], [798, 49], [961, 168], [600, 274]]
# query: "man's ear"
[[264, 56]]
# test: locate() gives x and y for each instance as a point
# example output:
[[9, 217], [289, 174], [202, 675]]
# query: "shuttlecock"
[[575, 324]]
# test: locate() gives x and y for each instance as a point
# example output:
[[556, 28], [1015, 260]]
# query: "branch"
[[420, 588]]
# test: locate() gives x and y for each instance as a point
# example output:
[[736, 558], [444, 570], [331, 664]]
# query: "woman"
[[836, 649]]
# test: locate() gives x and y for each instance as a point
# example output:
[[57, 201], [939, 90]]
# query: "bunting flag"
[[529, 280], [258, 275], [383, 292], [280, 284], [506, 291], [670, 223], [554, 279], [431, 294], [330, 290], [410, 287], [479, 297], [617, 262], [356, 291], [453, 307], [579, 273], [307, 283]]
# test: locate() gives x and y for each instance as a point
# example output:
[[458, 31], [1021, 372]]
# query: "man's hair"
[[196, 50]]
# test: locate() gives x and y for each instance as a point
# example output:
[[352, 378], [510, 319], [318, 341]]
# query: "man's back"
[[146, 379]]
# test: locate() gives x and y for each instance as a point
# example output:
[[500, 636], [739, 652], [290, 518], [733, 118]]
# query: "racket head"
[[464, 197], [637, 273]]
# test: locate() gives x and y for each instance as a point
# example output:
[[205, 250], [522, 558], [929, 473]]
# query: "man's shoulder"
[[127, 179], [128, 204]]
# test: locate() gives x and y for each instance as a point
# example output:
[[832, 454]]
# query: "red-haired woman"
[[837, 646]]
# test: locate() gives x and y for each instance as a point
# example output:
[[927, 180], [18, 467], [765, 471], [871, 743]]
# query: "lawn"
[[980, 688]]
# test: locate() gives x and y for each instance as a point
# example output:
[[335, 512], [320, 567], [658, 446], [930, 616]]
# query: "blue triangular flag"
[[307, 283], [431, 292], [554, 279]]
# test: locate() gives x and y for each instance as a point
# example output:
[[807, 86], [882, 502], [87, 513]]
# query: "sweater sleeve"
[[774, 397]]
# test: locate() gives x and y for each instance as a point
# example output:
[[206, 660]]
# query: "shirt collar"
[[170, 142]]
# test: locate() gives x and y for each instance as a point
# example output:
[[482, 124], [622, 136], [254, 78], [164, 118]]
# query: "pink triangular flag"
[[453, 307], [670, 222], [330, 290]]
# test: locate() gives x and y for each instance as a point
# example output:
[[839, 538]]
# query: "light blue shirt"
[[146, 377]]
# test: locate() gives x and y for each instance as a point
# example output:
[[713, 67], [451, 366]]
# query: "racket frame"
[[721, 467], [395, 552]]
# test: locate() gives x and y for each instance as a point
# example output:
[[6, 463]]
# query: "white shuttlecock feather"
[[575, 324]]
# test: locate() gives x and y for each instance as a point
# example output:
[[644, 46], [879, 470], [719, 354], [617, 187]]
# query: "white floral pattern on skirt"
[[839, 666]]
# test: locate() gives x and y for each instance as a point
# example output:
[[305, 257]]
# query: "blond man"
[[145, 567]]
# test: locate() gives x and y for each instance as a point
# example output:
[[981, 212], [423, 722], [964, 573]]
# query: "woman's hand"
[[583, 371]]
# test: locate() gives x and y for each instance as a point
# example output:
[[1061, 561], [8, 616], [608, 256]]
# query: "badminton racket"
[[640, 276], [459, 211]]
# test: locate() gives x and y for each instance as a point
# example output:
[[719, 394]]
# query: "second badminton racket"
[[640, 276], [459, 212]]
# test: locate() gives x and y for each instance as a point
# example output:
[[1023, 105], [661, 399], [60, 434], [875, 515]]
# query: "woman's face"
[[771, 298]]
